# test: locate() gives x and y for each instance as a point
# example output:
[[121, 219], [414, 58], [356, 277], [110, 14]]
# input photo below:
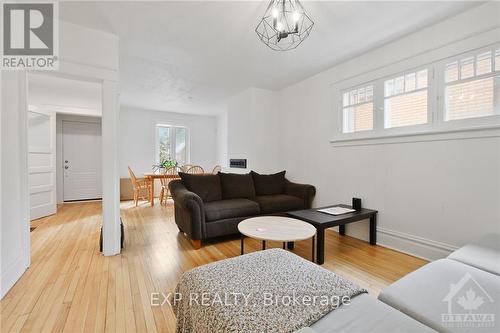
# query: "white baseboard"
[[11, 275], [414, 245]]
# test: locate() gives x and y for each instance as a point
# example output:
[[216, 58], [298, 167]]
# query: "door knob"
[[66, 167], [66, 161]]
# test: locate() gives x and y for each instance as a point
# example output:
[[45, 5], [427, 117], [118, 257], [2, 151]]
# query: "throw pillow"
[[207, 187], [269, 184], [236, 186]]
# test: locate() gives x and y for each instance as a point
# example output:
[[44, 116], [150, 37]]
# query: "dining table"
[[152, 176]]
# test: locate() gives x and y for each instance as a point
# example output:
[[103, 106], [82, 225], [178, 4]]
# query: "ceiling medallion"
[[285, 25]]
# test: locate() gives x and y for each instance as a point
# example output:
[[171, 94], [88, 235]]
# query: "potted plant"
[[164, 165]]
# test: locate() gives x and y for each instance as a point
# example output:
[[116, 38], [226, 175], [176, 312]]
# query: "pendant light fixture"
[[285, 25]]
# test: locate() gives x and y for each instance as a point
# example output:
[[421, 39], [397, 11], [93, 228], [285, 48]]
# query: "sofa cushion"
[[278, 203], [443, 287], [207, 187], [269, 184], [225, 209], [483, 254], [236, 186], [367, 314]]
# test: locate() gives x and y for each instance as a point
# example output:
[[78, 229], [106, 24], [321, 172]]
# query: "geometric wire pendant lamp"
[[285, 25]]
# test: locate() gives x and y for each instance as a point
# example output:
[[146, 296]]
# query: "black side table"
[[323, 220]]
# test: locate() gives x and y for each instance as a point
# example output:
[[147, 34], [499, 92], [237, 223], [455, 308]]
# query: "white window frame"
[[436, 127], [342, 107], [441, 65], [430, 73], [172, 141]]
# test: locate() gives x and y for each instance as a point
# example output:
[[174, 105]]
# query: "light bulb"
[[279, 26], [275, 12], [296, 16]]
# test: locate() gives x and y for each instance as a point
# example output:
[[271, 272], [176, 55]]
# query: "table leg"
[[342, 229], [284, 245], [242, 244], [373, 229], [320, 246], [263, 245], [152, 195], [313, 249]]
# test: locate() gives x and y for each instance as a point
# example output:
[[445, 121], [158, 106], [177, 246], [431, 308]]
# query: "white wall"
[[252, 133], [14, 223], [63, 95], [432, 196], [137, 138], [222, 155]]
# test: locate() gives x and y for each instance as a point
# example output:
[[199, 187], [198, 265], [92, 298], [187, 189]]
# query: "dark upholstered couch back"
[[234, 186]]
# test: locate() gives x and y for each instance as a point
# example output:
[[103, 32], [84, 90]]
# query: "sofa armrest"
[[189, 210], [305, 192]]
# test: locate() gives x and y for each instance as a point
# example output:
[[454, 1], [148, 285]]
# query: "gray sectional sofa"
[[458, 294]]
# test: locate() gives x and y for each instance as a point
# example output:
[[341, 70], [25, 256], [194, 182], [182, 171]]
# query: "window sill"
[[441, 134]]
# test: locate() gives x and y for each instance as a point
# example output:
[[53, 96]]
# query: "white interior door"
[[41, 162], [81, 160]]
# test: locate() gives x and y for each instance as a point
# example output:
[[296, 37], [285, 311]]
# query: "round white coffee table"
[[276, 228]]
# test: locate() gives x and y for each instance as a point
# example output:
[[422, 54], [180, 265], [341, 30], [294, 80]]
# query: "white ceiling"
[[189, 57]]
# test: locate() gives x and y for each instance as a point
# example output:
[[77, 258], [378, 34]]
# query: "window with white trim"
[[357, 109], [405, 99], [171, 144], [472, 86], [448, 95]]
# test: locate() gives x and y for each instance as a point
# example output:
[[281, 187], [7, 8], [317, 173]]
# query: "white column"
[[110, 172], [14, 207]]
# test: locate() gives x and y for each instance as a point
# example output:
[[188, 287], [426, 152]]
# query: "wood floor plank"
[[70, 286]]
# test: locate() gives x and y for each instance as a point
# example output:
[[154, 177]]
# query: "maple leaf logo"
[[470, 301]]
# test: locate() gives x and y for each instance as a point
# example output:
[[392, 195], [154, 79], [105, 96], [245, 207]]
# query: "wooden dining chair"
[[195, 169], [171, 174], [139, 185], [217, 169], [186, 167]]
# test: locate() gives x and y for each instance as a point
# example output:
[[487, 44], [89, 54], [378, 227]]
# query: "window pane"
[[164, 143], [467, 68], [410, 82], [389, 88], [180, 146], [451, 72], [483, 63], [358, 118], [361, 95], [369, 93], [399, 83], [422, 79], [345, 99], [404, 110], [472, 99], [354, 97]]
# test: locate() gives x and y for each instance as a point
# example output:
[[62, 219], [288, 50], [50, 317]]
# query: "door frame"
[[108, 79]]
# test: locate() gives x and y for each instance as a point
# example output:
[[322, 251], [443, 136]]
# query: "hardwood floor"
[[71, 287]]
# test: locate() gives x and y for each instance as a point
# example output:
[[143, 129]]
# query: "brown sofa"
[[208, 206]]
